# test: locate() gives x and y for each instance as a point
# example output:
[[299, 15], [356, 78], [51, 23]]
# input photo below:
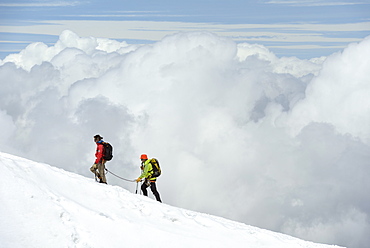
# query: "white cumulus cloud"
[[280, 143]]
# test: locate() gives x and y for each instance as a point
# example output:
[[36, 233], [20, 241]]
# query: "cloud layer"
[[280, 143]]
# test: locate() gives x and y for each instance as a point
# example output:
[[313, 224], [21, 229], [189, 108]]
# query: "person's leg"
[[93, 170], [143, 188], [153, 187], [101, 168]]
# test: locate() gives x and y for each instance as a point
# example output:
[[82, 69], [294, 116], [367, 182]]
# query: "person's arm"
[[147, 169], [99, 153]]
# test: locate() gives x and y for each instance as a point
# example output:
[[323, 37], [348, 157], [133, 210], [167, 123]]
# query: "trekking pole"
[[137, 184]]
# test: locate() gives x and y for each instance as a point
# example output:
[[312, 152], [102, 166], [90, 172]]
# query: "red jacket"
[[99, 153]]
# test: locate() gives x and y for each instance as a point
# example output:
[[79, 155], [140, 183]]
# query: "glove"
[[138, 180]]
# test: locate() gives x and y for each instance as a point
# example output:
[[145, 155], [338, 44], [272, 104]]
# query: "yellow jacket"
[[147, 171]]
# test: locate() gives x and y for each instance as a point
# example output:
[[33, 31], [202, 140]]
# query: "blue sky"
[[302, 28]]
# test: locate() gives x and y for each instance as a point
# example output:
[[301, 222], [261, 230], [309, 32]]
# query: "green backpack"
[[156, 168]]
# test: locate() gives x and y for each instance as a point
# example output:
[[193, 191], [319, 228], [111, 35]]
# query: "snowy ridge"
[[43, 206]]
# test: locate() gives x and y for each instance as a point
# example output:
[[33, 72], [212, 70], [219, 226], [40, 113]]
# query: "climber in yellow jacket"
[[147, 173]]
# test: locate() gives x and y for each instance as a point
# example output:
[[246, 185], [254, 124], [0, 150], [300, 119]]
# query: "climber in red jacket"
[[98, 167]]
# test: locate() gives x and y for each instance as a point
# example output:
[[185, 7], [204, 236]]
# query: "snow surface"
[[43, 206]]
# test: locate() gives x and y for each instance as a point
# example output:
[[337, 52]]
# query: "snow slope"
[[43, 206]]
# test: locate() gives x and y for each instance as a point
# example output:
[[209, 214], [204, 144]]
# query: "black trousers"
[[153, 187]]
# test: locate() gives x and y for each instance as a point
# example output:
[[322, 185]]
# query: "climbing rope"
[[128, 180]]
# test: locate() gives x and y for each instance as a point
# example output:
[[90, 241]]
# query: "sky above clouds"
[[242, 129], [305, 29]]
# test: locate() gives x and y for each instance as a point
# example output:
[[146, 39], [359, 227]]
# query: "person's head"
[[143, 157], [97, 138]]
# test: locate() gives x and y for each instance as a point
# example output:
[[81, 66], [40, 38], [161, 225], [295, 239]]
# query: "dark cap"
[[98, 137]]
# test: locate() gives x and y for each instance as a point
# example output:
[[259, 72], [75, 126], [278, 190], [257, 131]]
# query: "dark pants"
[[153, 187]]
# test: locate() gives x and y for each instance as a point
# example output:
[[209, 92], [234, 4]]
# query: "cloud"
[[289, 35], [280, 143], [314, 3], [8, 128], [41, 4], [340, 94]]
